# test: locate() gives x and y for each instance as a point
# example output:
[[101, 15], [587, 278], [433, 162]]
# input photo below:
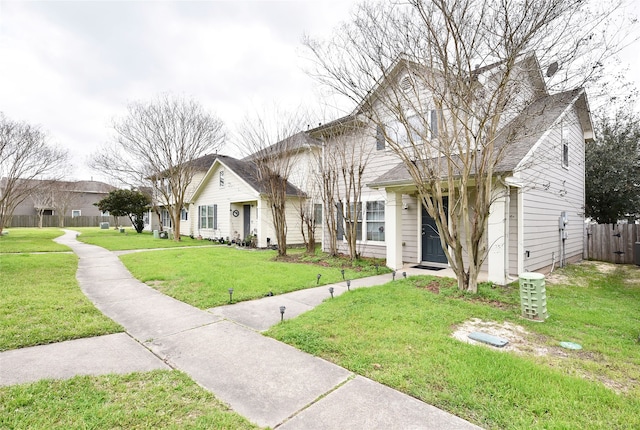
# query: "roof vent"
[[406, 84]]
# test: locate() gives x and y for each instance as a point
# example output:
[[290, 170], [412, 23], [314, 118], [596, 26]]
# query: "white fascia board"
[[535, 147]]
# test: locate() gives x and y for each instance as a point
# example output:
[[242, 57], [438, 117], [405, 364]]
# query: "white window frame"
[[221, 178], [208, 217], [364, 222], [76, 213], [184, 215], [165, 217], [377, 207]]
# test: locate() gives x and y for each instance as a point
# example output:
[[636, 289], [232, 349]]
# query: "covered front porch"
[[408, 223]]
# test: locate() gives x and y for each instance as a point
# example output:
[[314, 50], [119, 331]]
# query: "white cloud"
[[72, 66]]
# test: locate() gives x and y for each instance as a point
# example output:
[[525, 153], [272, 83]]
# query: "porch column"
[[393, 229], [496, 238]]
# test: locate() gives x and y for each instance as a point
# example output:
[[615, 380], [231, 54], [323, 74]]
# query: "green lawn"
[[31, 240], [113, 240], [152, 400], [400, 335], [42, 302], [202, 277]]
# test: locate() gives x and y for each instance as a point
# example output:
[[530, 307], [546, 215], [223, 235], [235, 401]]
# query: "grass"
[[202, 277], [113, 240], [31, 240], [400, 335], [159, 399], [42, 302]]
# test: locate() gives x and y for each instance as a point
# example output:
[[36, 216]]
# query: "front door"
[[431, 247], [246, 220]]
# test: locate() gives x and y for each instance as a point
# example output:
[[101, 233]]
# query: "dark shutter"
[[199, 217], [379, 139], [434, 123], [339, 222], [215, 217]]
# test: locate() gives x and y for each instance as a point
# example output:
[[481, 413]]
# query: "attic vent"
[[406, 84]]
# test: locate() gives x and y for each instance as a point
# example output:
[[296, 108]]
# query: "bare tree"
[[64, 197], [42, 198], [156, 144], [412, 68], [346, 153], [25, 155], [308, 222], [273, 147], [329, 178]]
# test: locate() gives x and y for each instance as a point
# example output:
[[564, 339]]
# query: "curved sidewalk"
[[269, 382]]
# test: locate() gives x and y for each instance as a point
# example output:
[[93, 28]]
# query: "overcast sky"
[[72, 66]]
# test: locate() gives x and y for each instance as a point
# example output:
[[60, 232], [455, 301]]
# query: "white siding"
[[551, 189], [513, 232], [410, 228], [234, 190]]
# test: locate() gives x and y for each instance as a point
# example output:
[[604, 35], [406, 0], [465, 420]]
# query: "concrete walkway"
[[269, 382]]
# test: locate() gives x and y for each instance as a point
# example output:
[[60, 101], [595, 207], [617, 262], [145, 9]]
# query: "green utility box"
[[104, 225], [156, 234], [533, 296]]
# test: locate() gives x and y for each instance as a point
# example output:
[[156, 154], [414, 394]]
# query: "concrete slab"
[[364, 404], [155, 315], [259, 377], [264, 313], [114, 353], [101, 291]]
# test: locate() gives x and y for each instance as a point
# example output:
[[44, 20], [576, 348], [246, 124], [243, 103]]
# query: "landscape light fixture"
[[230, 294], [282, 308], [318, 279], [348, 285], [404, 275], [393, 275], [342, 271], [331, 291]]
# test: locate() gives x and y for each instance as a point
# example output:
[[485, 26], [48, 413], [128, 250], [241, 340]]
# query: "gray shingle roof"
[[248, 172], [521, 134], [294, 142]]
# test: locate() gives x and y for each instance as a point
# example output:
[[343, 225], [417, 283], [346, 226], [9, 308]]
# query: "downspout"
[[507, 225]]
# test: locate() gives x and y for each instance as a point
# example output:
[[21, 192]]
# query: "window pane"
[[209, 216], [317, 213], [375, 221]]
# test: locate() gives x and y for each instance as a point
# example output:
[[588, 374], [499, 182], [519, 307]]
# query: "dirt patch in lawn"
[[433, 286], [520, 340], [523, 342]]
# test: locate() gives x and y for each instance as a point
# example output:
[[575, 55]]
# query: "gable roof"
[[90, 187], [521, 134], [247, 171], [294, 142]]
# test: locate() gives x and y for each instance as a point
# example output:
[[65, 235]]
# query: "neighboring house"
[[536, 221], [230, 202], [64, 198], [153, 218]]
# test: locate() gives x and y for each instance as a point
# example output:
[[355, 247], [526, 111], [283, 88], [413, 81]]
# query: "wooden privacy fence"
[[54, 221], [612, 242]]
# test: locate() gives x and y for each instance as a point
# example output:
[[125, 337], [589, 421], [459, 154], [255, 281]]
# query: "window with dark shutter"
[[565, 153]]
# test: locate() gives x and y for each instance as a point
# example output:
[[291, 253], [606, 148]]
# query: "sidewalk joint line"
[[348, 379]]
